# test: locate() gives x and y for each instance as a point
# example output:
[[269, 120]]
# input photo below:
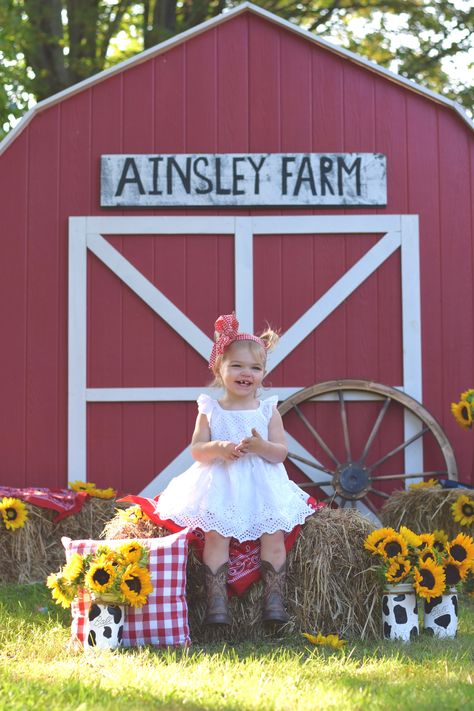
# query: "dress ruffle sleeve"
[[269, 405], [205, 404]]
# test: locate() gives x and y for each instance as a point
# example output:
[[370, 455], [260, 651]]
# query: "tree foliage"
[[48, 45]]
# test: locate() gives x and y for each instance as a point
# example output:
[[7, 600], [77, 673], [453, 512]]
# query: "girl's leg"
[[273, 569], [216, 550], [215, 562], [272, 548]]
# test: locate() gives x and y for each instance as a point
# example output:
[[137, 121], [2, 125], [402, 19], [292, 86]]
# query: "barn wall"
[[244, 86]]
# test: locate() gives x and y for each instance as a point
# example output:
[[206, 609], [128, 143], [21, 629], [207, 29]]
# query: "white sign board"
[[244, 180]]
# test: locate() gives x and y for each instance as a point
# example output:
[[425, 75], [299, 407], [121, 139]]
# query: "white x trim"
[[400, 231]]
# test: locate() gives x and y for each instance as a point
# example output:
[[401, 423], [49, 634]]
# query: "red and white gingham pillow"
[[163, 621]]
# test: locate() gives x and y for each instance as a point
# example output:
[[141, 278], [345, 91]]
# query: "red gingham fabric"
[[163, 621]]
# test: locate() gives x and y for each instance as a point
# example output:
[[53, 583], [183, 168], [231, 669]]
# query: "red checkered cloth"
[[163, 621], [244, 558], [64, 501]]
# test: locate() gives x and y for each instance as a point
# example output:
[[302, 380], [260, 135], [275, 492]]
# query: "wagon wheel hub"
[[351, 480]]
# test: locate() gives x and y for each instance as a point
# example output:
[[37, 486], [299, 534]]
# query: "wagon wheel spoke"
[[407, 476], [365, 500], [310, 463], [399, 448], [345, 428], [382, 494], [375, 429], [316, 436]]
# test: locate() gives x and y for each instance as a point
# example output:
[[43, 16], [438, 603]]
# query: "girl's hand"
[[229, 451], [251, 445]]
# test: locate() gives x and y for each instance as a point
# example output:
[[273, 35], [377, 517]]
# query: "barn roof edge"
[[203, 27]]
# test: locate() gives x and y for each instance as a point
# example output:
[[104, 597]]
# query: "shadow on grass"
[[31, 603]]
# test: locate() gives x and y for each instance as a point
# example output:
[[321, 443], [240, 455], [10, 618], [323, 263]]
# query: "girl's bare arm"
[[205, 450]]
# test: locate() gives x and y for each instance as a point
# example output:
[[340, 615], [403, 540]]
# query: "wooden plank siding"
[[246, 85]]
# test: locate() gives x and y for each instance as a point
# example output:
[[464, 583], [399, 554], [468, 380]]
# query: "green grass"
[[37, 672]]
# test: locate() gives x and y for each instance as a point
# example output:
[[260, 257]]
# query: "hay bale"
[[31, 553], [330, 586], [118, 528], [425, 510]]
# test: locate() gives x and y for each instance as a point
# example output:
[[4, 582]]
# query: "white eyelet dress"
[[240, 499]]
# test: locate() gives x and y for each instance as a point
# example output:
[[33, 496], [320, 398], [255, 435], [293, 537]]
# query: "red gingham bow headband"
[[227, 329]]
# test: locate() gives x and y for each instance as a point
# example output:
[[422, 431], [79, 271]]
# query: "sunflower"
[[136, 585], [132, 514], [467, 395], [454, 571], [393, 545], [412, 538], [102, 493], [427, 554], [331, 640], [14, 513], [62, 593], [429, 579], [131, 552], [425, 484], [427, 541], [100, 576], [440, 540], [374, 539], [462, 413], [461, 549], [73, 568], [398, 569], [81, 486], [463, 510]]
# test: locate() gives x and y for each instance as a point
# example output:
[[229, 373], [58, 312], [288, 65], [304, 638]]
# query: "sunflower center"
[[399, 571], [427, 579], [393, 548], [11, 513], [465, 413], [458, 552], [438, 545], [452, 574], [467, 510], [134, 584], [101, 576]]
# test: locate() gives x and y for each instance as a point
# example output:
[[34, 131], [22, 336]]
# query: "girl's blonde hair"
[[270, 339]]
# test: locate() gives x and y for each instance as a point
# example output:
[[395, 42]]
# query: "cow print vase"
[[400, 613], [441, 615], [105, 626]]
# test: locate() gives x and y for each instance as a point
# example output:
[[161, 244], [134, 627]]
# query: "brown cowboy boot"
[[216, 589], [273, 591]]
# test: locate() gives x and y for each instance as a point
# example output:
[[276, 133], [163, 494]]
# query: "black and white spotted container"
[[400, 613], [441, 615], [104, 626]]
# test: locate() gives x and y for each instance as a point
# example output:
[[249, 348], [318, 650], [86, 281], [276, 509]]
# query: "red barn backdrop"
[[246, 82]]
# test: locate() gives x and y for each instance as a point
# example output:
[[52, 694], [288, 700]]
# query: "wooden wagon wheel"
[[351, 477]]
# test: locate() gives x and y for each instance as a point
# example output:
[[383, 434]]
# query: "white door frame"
[[87, 233]]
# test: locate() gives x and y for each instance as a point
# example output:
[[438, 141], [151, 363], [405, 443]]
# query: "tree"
[[48, 45]]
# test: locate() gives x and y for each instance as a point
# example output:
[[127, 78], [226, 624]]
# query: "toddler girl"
[[238, 486]]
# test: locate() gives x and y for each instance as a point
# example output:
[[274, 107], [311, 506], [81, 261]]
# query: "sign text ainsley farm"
[[253, 179]]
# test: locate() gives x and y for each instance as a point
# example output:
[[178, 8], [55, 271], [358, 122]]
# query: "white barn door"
[[400, 232]]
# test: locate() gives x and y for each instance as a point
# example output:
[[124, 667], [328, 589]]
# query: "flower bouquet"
[[116, 576], [113, 578], [428, 563]]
